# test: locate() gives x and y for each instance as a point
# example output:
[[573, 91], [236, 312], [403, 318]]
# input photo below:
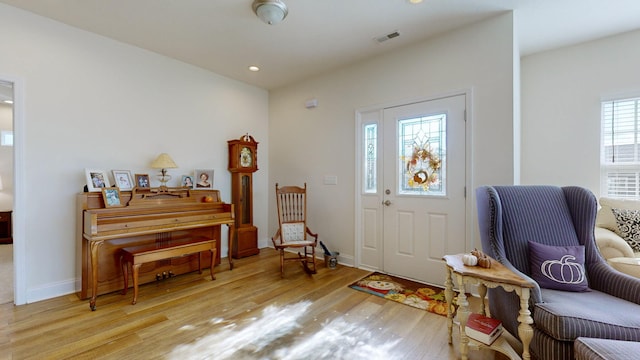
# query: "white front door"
[[417, 212]]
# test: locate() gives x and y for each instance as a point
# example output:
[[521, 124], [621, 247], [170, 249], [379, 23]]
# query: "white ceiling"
[[225, 36]]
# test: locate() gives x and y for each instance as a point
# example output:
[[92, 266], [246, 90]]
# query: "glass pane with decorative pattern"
[[371, 157], [422, 166]]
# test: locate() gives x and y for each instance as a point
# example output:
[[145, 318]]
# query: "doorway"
[[6, 192], [412, 206]]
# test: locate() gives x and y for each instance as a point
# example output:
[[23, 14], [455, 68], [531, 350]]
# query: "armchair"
[[510, 218]]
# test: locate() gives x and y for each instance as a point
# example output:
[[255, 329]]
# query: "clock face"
[[246, 157]]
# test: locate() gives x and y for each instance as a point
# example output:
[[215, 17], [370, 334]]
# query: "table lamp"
[[163, 162]]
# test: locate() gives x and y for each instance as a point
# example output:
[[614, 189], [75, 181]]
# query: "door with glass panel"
[[413, 200]]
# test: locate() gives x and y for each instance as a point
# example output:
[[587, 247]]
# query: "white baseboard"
[[51, 290], [346, 260]]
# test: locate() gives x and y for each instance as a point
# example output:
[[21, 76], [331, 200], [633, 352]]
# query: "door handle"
[[386, 202]]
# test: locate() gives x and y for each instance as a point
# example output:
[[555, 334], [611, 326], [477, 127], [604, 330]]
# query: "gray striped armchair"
[[510, 217]]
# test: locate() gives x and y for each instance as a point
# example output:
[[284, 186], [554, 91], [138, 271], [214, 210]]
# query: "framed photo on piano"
[[123, 179], [111, 197], [96, 180], [187, 181], [142, 181], [204, 179]]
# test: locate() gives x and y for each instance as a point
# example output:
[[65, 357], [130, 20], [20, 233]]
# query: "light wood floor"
[[6, 273], [236, 316]]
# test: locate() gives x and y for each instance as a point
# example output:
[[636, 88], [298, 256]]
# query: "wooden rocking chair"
[[293, 231]]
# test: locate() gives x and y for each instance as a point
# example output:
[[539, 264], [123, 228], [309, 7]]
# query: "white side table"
[[496, 276]]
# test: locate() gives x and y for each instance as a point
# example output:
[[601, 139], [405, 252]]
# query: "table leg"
[[94, 246], [448, 295], [232, 230], [125, 273], [213, 263], [463, 315], [136, 272], [525, 331], [482, 292]]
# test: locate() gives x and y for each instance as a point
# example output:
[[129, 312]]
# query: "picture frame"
[[96, 180], [187, 181], [123, 179], [111, 196], [142, 181], [203, 179]]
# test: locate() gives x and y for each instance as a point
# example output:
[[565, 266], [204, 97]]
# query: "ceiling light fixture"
[[254, 68], [270, 11]]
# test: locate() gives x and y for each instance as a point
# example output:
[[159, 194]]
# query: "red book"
[[483, 329]]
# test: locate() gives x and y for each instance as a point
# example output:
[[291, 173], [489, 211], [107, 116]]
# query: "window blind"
[[620, 158]]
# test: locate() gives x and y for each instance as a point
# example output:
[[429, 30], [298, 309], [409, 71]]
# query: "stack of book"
[[483, 329]]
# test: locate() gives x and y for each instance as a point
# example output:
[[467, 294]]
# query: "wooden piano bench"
[[135, 256]]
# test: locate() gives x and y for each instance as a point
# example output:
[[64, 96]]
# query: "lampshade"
[[163, 161], [270, 11]]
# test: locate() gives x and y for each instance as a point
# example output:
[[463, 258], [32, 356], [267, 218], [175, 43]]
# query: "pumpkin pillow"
[[628, 226], [558, 267]]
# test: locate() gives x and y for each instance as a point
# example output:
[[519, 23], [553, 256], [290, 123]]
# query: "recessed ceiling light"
[[415, 1], [8, 101], [254, 68]]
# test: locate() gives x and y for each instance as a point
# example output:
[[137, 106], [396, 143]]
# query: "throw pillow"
[[558, 267], [629, 226]]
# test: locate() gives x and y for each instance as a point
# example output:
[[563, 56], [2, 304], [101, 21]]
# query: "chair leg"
[[313, 258], [281, 262], [305, 260]]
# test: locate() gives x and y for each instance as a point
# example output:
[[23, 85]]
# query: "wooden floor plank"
[[245, 313]]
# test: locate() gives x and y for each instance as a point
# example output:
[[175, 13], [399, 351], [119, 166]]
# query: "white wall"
[[307, 144], [561, 94], [90, 102]]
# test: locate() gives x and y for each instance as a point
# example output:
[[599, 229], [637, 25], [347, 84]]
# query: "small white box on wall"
[[311, 103]]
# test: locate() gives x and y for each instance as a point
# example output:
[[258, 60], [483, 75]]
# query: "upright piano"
[[147, 216]]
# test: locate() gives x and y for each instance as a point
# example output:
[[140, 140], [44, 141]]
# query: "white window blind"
[[620, 150]]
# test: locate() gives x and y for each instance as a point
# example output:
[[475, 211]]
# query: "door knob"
[[386, 202]]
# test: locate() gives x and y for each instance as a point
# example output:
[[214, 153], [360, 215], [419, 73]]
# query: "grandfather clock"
[[243, 162]]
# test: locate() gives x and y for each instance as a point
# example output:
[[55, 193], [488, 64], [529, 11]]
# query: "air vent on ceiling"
[[383, 38]]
